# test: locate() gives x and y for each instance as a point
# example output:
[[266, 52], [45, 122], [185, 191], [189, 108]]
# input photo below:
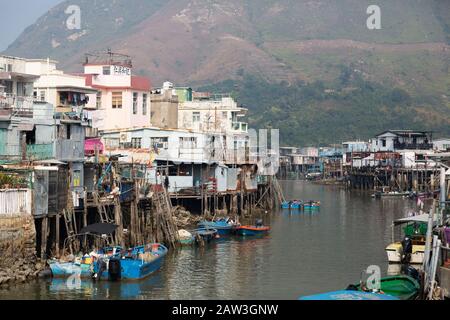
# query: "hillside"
[[281, 46]]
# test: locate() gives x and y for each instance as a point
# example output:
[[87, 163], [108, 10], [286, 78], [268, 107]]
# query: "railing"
[[413, 146], [39, 152], [16, 103]]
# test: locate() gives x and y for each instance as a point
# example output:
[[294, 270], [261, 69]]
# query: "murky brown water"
[[306, 253]]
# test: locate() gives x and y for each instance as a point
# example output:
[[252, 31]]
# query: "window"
[[144, 104], [225, 115], [76, 178], [196, 117], [160, 142], [117, 100], [135, 103], [136, 143], [98, 102], [107, 71], [42, 95], [188, 142], [6, 68], [383, 143]]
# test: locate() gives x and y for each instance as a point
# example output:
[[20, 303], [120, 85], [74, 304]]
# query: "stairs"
[[164, 225], [71, 228]]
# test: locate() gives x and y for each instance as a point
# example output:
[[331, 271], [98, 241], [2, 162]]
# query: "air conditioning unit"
[[125, 137]]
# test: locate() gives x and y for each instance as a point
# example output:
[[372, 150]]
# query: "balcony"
[[412, 146], [15, 106], [37, 152]]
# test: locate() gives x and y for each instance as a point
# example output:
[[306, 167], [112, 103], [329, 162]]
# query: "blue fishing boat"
[[223, 226], [311, 205], [286, 205], [349, 295], [67, 269], [83, 267], [297, 205], [135, 264]]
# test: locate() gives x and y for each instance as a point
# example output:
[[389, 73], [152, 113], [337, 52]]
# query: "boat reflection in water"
[[105, 290]]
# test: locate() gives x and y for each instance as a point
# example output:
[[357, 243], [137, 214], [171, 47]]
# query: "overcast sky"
[[16, 15]]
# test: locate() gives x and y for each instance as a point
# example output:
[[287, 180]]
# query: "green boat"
[[401, 287]]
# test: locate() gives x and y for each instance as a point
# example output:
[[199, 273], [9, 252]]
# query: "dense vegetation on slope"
[[321, 113]]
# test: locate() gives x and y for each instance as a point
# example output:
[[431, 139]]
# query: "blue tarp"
[[349, 295]]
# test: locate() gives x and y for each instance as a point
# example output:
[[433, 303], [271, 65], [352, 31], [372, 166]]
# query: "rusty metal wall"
[[15, 202]]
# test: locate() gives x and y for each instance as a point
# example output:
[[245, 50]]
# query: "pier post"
[[57, 219]]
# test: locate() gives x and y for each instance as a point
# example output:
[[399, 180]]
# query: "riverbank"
[[17, 246]]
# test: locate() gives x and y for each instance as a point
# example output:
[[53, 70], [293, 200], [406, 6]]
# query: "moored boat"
[[296, 205], [257, 229], [223, 226], [312, 205], [135, 264], [401, 287], [81, 266], [205, 234], [412, 249], [286, 205]]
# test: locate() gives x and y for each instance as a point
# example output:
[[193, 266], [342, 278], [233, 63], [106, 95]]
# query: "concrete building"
[[212, 113], [394, 140], [164, 107], [124, 99]]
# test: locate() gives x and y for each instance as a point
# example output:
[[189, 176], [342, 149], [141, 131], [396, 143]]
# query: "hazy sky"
[[16, 15]]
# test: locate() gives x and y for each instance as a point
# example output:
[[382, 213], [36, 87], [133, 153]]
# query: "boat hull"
[[68, 269], [252, 231], [401, 287], [222, 228], [136, 268]]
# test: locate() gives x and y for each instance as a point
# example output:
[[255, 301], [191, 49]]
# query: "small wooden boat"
[[349, 296], [252, 230], [296, 205], [83, 267], [223, 226], [401, 287], [286, 205], [137, 263], [392, 194], [205, 234], [311, 205]]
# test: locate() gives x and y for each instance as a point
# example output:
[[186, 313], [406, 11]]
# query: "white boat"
[[417, 236]]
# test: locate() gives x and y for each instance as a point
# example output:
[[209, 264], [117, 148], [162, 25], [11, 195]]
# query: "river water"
[[305, 253]]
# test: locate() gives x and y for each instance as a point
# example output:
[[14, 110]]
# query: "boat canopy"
[[423, 218]]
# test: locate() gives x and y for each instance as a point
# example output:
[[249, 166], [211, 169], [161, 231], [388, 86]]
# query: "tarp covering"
[[423, 218], [99, 228]]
